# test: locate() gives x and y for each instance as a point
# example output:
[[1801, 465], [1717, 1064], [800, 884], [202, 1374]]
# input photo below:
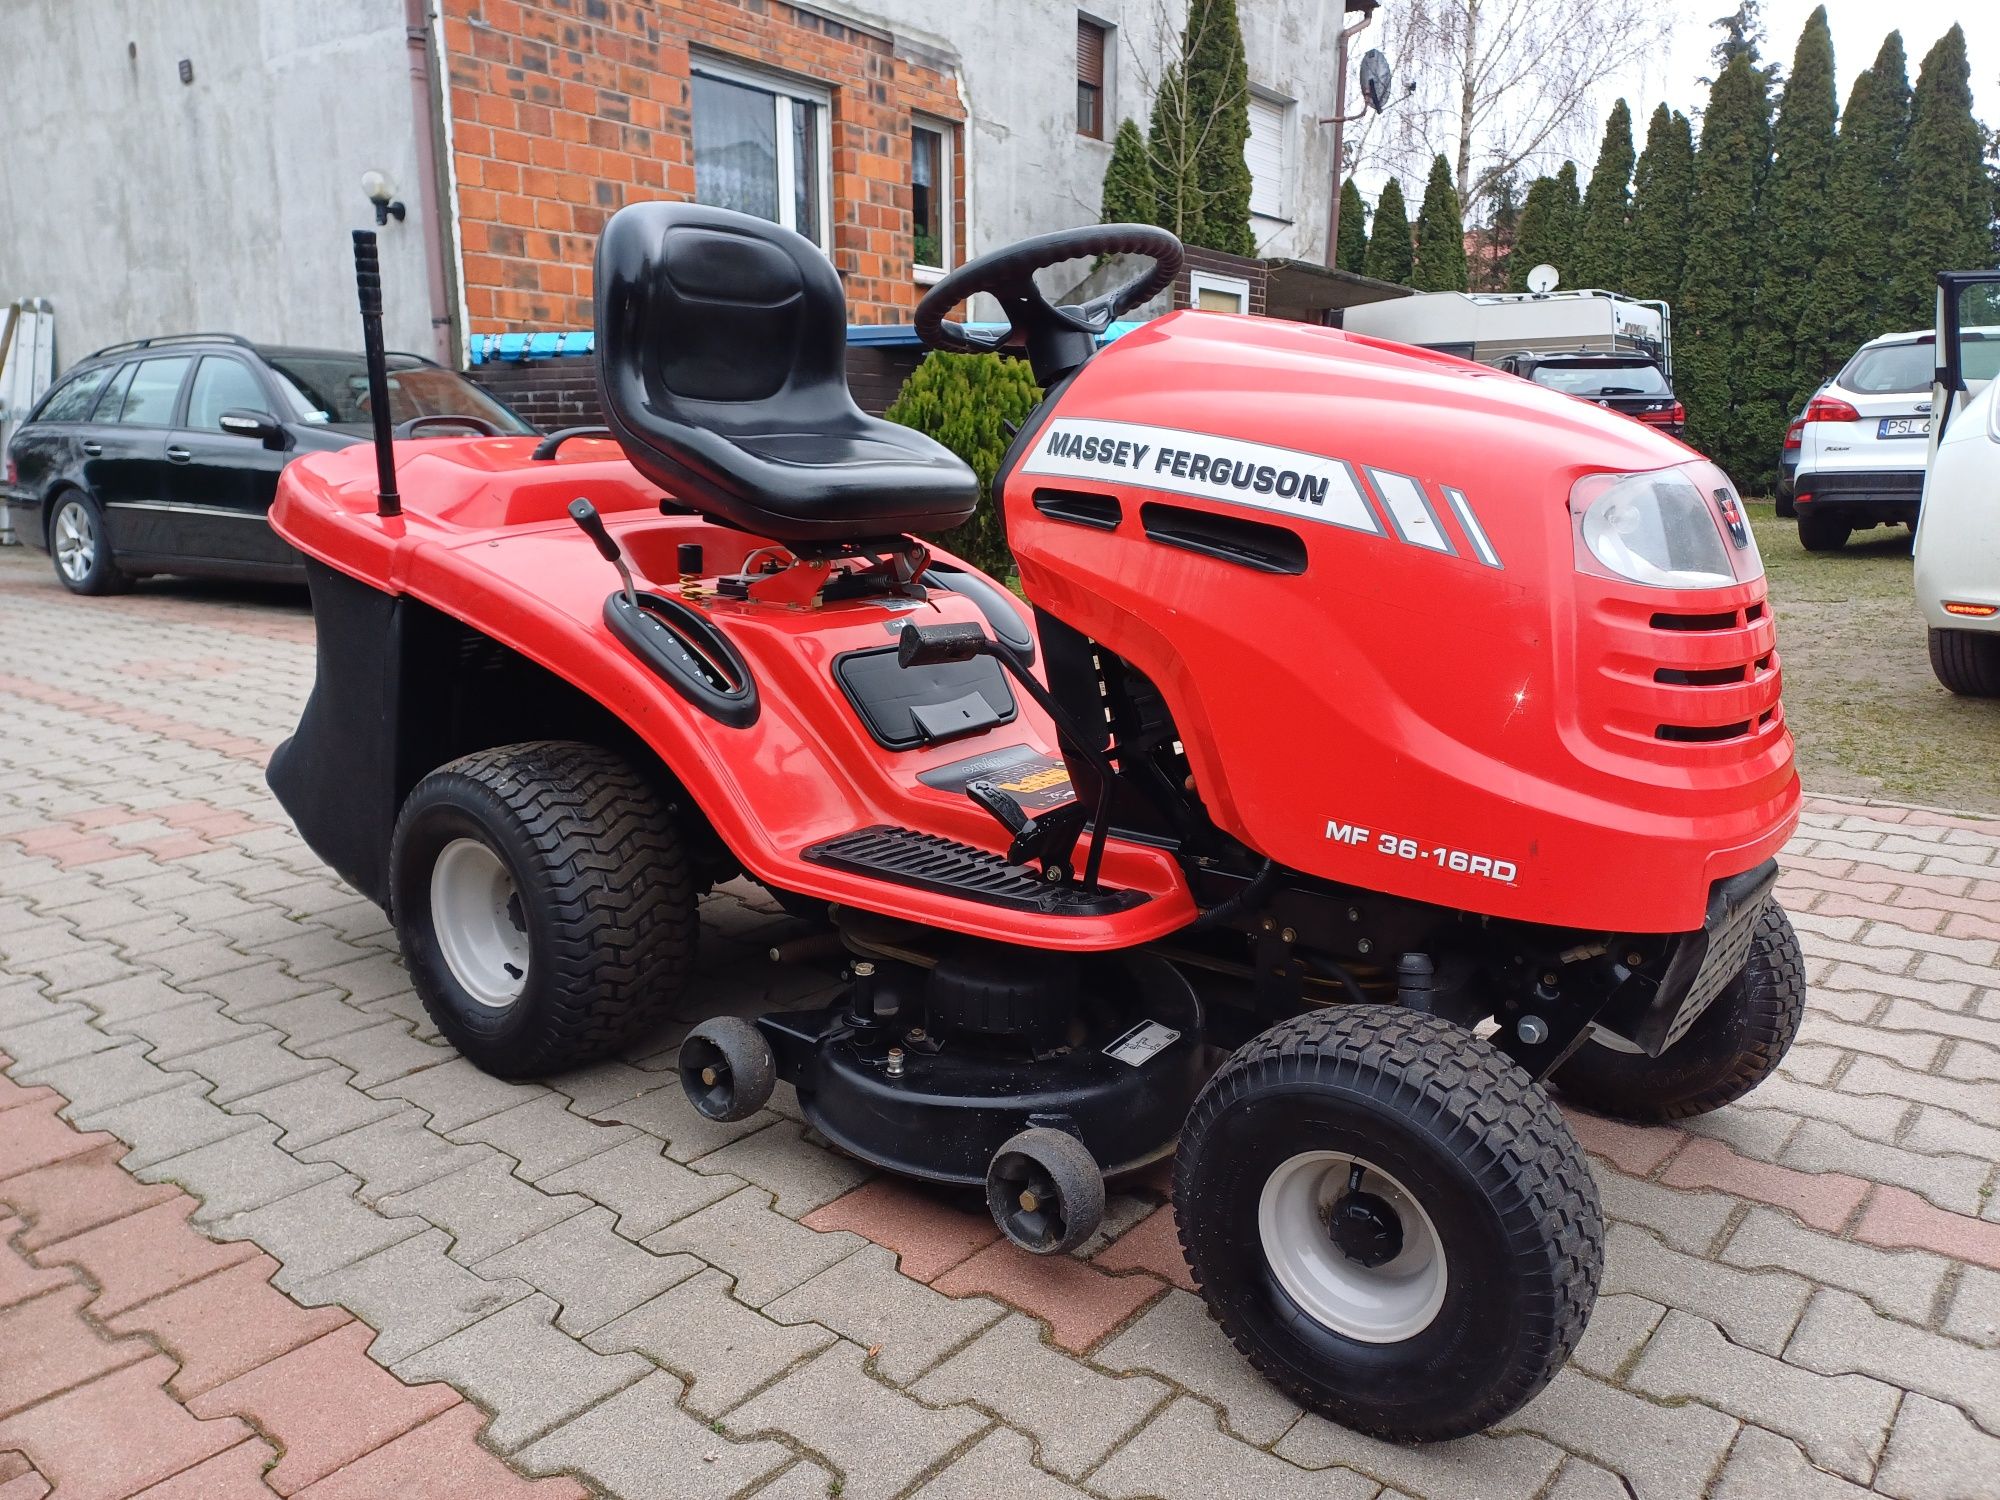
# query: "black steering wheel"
[[1033, 322], [416, 425]]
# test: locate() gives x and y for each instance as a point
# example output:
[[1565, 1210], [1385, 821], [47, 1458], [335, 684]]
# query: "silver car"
[[1862, 442]]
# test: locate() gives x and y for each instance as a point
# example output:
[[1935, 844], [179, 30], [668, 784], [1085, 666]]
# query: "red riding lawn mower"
[[1384, 739]]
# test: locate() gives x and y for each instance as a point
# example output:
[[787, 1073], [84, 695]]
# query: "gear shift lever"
[[591, 524]]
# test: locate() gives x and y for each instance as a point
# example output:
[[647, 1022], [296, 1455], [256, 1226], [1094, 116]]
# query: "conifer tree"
[[1947, 222], [1569, 210], [1604, 227], [1201, 119], [1785, 339], [1544, 236], [1353, 251], [1131, 194], [1854, 279], [1440, 256], [1720, 271], [1662, 190], [1390, 254], [970, 403]]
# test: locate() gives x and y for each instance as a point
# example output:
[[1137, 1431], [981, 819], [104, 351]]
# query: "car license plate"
[[1904, 427]]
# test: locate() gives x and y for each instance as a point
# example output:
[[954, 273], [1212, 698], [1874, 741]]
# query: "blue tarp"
[[512, 348]]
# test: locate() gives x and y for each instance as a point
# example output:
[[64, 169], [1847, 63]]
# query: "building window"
[[1265, 153], [1090, 39], [932, 208], [760, 147], [1213, 293]]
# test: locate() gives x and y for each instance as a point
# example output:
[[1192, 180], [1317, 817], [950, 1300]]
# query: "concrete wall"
[[140, 205], [1031, 172]]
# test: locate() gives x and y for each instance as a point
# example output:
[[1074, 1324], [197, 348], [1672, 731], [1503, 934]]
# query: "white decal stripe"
[[1410, 511], [1474, 532], [1304, 486]]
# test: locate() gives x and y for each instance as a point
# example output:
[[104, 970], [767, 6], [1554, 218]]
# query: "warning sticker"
[[1035, 780], [1143, 1043]]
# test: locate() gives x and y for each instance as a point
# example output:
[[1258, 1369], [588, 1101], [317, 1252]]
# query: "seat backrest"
[[712, 309], [722, 348]]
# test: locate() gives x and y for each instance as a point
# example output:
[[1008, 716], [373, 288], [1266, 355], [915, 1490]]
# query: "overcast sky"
[[1858, 28]]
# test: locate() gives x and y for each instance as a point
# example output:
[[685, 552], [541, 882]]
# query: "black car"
[[162, 455], [1631, 384]]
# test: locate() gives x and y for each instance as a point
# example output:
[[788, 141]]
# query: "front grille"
[[1689, 681]]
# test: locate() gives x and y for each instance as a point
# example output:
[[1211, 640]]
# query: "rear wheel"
[[1390, 1220], [544, 904], [1733, 1046], [81, 548], [1819, 532], [1967, 662]]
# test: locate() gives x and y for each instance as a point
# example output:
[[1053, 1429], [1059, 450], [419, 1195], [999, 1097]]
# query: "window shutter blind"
[[1089, 53], [1264, 151]]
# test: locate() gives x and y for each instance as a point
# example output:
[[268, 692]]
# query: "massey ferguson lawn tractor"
[[1385, 746]]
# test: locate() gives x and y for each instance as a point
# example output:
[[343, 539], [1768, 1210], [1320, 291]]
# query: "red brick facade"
[[565, 110]]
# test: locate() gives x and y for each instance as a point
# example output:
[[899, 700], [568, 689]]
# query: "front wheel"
[[1966, 662], [1733, 1045], [544, 904], [1390, 1220]]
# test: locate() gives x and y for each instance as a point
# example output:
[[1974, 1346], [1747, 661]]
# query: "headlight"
[[1679, 528]]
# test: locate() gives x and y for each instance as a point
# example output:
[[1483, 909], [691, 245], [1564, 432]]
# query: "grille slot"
[[1724, 621], [1703, 734], [1699, 676]]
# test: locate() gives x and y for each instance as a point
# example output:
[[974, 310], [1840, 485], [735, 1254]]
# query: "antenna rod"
[[368, 284]]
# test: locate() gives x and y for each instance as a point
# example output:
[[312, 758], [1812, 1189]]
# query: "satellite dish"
[[1543, 279], [1374, 79]]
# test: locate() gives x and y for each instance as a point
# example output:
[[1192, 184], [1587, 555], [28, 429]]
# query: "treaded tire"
[[1481, 1149], [1820, 533], [603, 886], [1732, 1047], [1967, 662]]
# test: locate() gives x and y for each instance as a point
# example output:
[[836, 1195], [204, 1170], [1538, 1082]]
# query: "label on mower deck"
[[1143, 1043]]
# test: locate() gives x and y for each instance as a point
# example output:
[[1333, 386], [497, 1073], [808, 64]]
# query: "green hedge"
[[961, 400]]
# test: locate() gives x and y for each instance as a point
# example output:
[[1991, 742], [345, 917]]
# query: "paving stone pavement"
[[238, 1170]]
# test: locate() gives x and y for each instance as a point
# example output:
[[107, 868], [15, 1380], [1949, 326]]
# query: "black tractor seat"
[[722, 345]]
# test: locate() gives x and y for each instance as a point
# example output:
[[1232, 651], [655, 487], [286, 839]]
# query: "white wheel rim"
[[76, 542], [1382, 1304], [476, 913]]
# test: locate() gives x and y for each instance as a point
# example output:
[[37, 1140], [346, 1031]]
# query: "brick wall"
[[1240, 267], [555, 393], [565, 110]]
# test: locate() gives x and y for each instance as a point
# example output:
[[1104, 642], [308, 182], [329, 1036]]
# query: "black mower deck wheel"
[[1045, 1191], [727, 1068], [1390, 1220]]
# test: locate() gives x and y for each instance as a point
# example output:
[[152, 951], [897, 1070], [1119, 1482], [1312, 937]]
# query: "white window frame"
[[1210, 281], [787, 91], [1286, 109], [947, 132]]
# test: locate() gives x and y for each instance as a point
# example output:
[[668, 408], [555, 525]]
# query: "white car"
[[1862, 442], [1958, 542]]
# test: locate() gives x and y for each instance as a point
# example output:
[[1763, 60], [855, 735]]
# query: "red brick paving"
[[1825, 1200], [142, 1361], [1153, 1244], [928, 1235], [1079, 1302], [1899, 1220]]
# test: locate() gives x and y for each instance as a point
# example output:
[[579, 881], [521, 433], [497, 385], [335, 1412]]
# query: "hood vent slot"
[[1248, 544], [1081, 508]]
